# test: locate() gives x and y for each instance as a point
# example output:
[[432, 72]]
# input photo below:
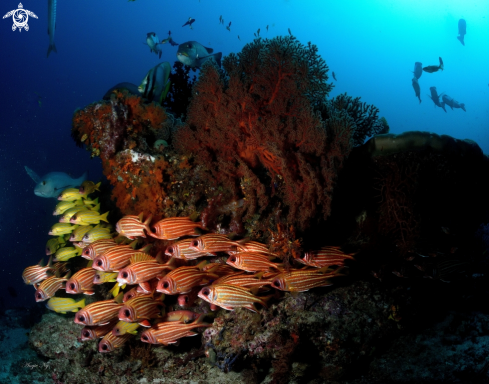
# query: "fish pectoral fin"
[[33, 175], [145, 323]]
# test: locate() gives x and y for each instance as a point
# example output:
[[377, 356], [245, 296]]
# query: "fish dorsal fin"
[[141, 256], [209, 50], [33, 175]]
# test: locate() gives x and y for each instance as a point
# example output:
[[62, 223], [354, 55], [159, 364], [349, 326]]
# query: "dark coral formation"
[[178, 97], [256, 133]]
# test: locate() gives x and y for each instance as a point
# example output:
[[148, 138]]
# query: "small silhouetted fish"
[[418, 69], [12, 291], [334, 76], [417, 89], [229, 27], [462, 26], [452, 103], [434, 68], [436, 98], [189, 22]]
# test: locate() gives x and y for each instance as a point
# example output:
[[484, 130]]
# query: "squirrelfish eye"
[[127, 313], [206, 291], [194, 243], [276, 283], [144, 337], [39, 296], [81, 318], [124, 275], [104, 347], [99, 263], [72, 286], [303, 256], [153, 229], [170, 250], [86, 334], [166, 285], [232, 259]]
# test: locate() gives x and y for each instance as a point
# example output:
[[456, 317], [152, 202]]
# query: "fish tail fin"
[[217, 57], [52, 47], [463, 107], [81, 303], [104, 217], [165, 92]]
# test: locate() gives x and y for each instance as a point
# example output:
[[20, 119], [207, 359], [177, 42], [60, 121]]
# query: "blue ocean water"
[[370, 45]]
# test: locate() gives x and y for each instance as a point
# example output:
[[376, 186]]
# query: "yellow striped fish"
[[62, 229], [67, 215], [71, 194], [53, 244], [64, 304], [96, 234], [87, 187], [77, 234], [88, 217], [63, 206], [230, 296], [123, 327], [66, 253]]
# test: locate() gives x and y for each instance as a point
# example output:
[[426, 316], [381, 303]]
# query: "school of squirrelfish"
[[248, 277]]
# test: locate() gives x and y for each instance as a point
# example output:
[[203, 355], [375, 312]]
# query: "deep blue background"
[[371, 46]]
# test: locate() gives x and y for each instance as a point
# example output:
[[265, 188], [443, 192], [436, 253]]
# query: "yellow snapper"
[[62, 206], [88, 217], [66, 216], [78, 233], [90, 202], [62, 229], [88, 187], [66, 253], [64, 304], [53, 244], [71, 194], [123, 327], [96, 234]]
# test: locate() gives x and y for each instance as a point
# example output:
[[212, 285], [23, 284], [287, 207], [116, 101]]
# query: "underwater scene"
[[273, 191]]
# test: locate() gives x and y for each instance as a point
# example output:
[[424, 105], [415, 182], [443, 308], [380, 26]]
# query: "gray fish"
[[189, 22], [155, 84], [52, 184], [417, 89], [436, 98], [462, 27], [51, 25], [434, 68], [452, 103], [194, 54], [334, 76], [418, 69], [153, 41]]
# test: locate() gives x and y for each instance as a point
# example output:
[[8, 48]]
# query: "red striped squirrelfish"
[[187, 300], [181, 250], [325, 257], [82, 282], [230, 296], [243, 280], [182, 316], [133, 226], [141, 308], [172, 228], [183, 279], [111, 342], [252, 262], [252, 246], [48, 287], [300, 280], [92, 332], [141, 272], [213, 242], [97, 248], [115, 258], [169, 332], [39, 272], [99, 312]]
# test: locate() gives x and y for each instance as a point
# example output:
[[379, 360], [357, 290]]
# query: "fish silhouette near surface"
[[334, 76], [462, 27], [417, 89], [53, 183], [434, 68], [436, 98], [194, 54], [452, 103], [418, 69], [152, 41], [189, 22], [51, 25]]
